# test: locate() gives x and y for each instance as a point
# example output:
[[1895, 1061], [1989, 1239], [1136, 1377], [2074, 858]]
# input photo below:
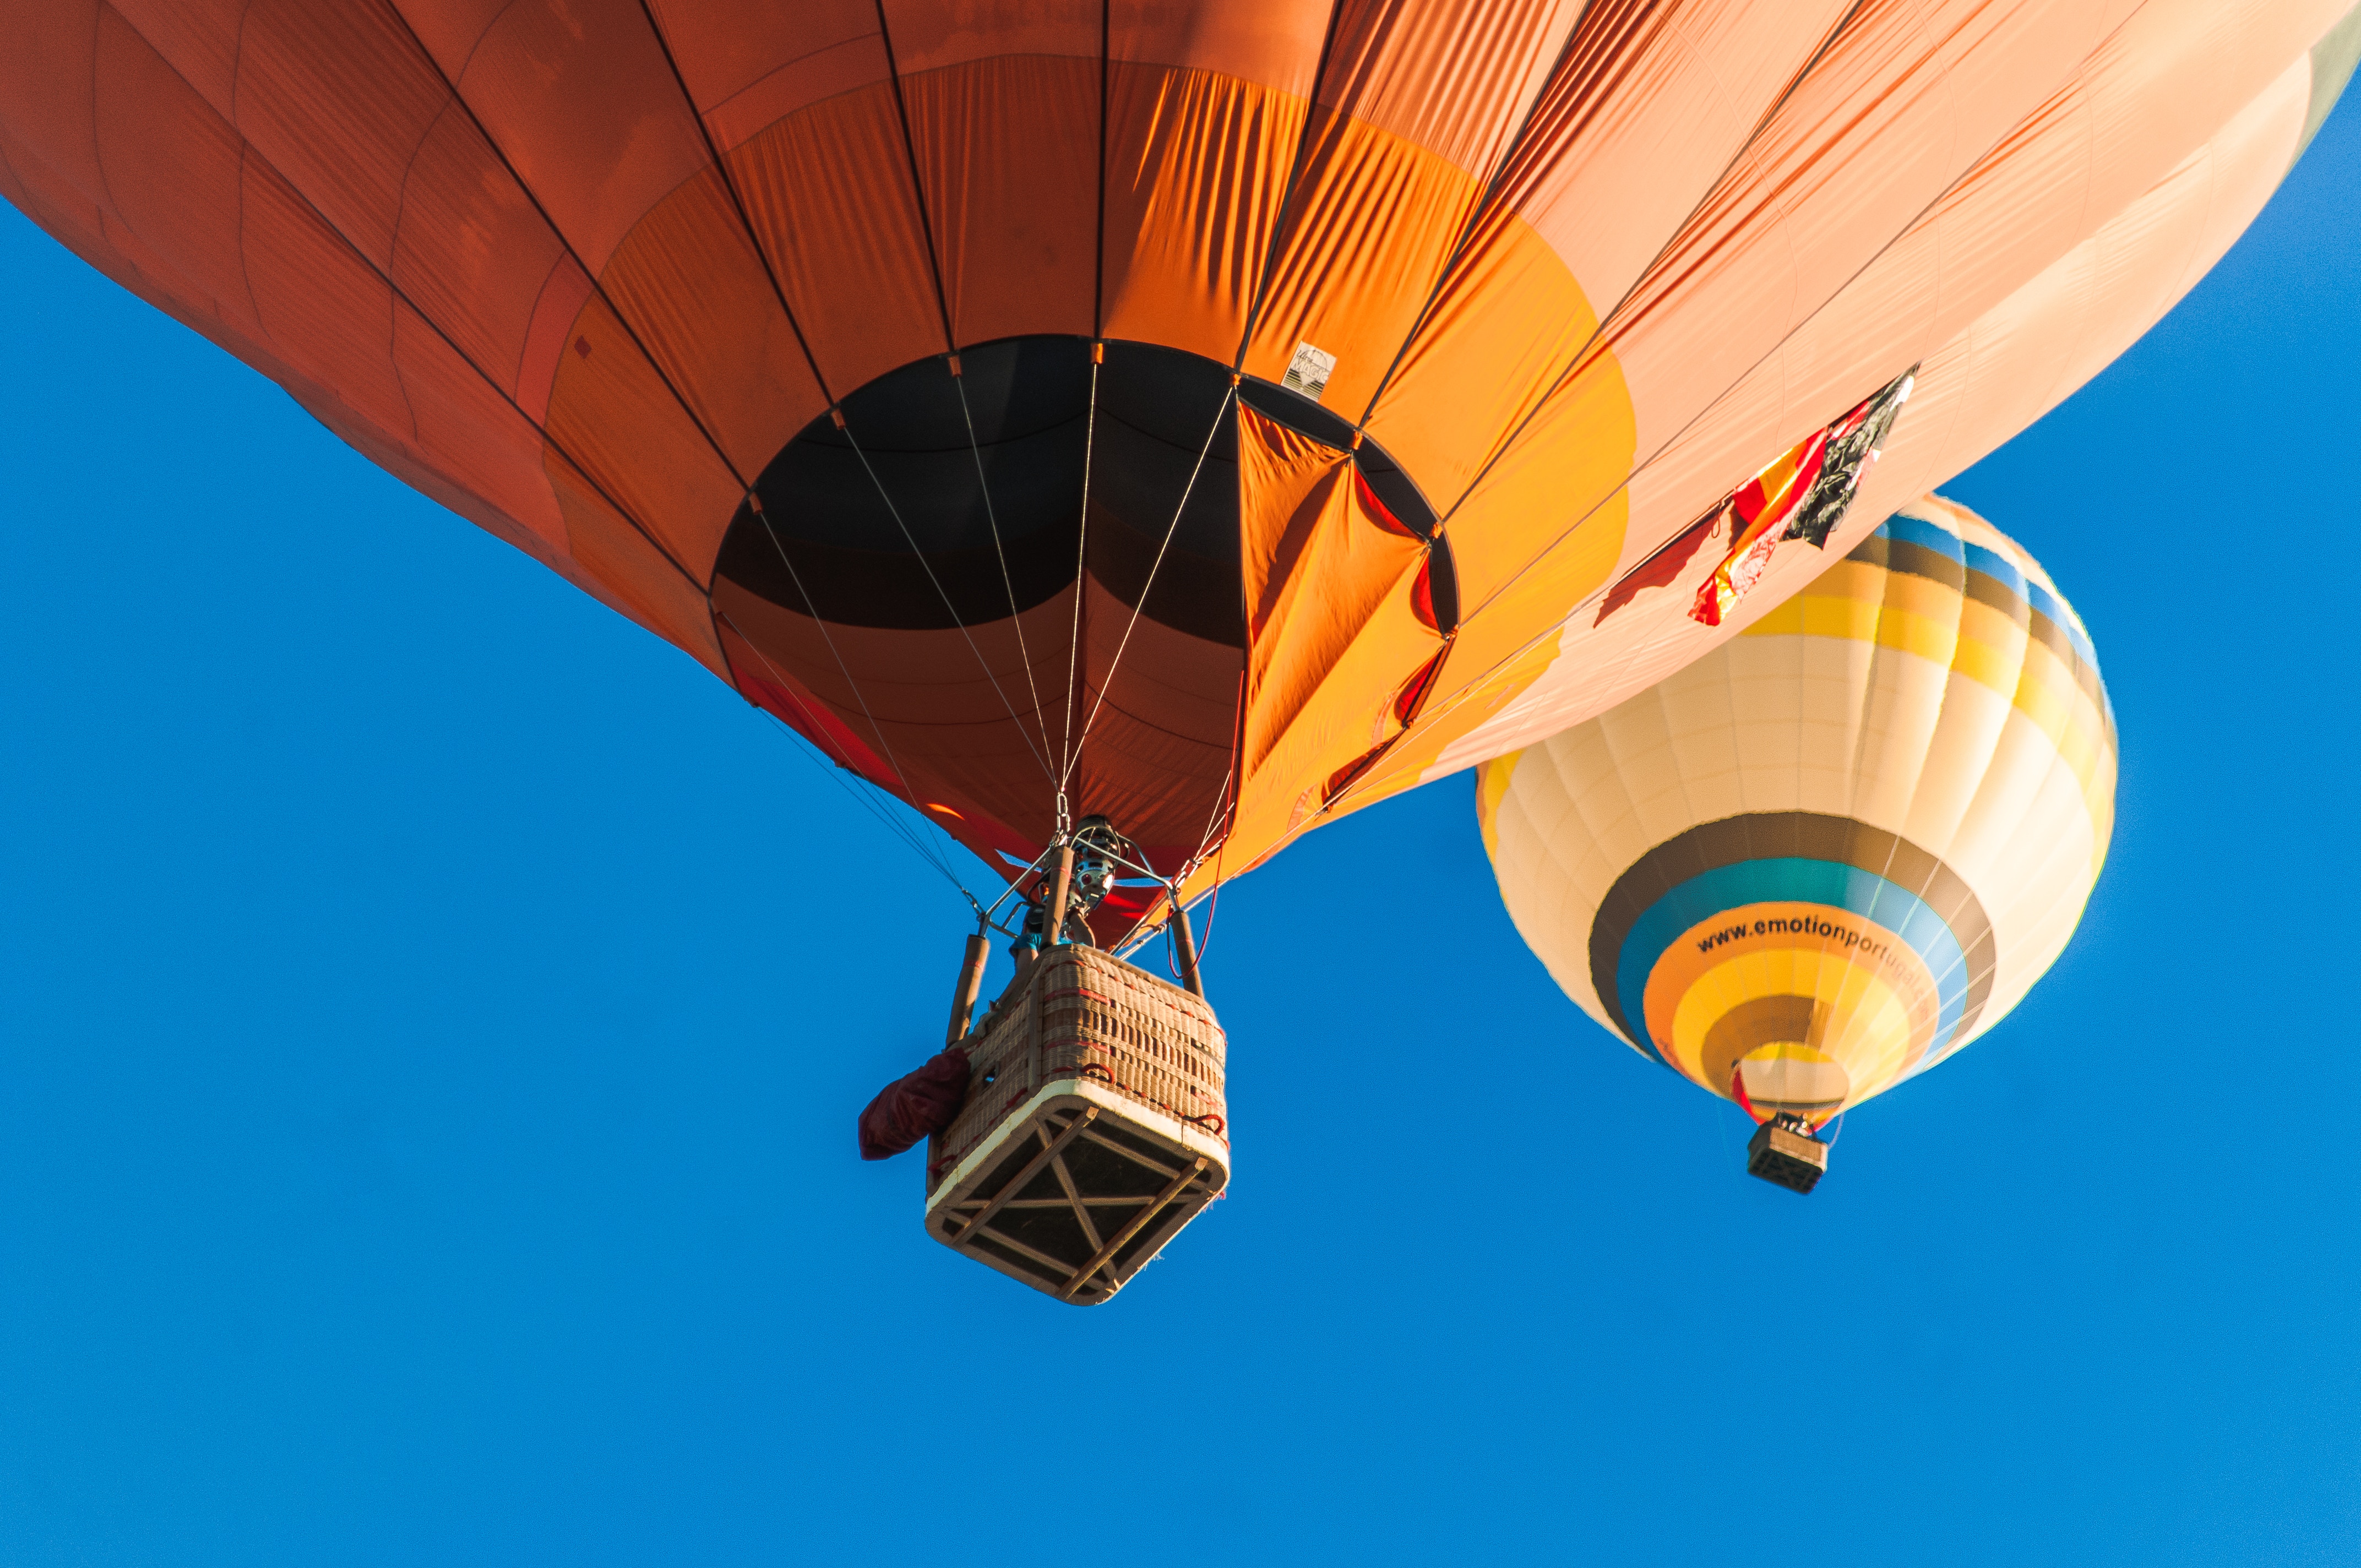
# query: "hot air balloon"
[[1212, 416], [1215, 415], [1828, 854]]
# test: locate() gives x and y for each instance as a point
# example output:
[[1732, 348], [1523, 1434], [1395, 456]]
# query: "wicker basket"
[[1094, 1128]]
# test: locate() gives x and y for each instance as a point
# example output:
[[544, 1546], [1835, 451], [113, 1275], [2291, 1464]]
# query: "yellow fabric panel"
[[1861, 1019], [1331, 633]]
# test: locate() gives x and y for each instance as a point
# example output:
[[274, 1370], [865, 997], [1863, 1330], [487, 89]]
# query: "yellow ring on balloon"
[[1883, 1006], [1678, 969], [1871, 1036]]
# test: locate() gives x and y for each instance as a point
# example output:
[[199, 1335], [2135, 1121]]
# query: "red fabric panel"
[[914, 1106], [577, 95], [173, 177], [931, 34], [339, 98], [48, 91], [830, 195], [748, 67], [199, 37]]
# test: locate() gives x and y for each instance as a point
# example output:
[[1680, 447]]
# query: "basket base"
[[1075, 1191], [1787, 1157]]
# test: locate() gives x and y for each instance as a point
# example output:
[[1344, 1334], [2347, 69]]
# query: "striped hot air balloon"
[[1834, 851]]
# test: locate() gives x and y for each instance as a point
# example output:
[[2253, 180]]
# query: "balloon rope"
[[991, 522], [1081, 559], [949, 609], [1170, 530], [875, 728], [844, 765]]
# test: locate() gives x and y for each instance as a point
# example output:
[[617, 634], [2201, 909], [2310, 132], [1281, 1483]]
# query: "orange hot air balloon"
[[1217, 414]]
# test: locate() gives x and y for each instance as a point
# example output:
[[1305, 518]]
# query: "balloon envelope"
[[1837, 848], [1216, 415]]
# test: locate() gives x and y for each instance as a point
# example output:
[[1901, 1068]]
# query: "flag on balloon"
[[1802, 494]]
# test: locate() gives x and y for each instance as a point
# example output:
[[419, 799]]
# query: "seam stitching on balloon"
[[737, 203], [401, 294], [598, 288]]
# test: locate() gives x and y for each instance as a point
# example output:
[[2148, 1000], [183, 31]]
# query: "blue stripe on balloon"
[[1999, 568], [1795, 880], [1917, 530], [2061, 617]]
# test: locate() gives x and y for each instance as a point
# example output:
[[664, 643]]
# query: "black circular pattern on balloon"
[[928, 559]]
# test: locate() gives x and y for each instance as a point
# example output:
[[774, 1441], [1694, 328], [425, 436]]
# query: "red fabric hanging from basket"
[[914, 1106]]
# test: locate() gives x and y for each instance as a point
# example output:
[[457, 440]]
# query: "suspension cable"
[[991, 522], [875, 728], [1082, 563], [1170, 530], [844, 765], [949, 609]]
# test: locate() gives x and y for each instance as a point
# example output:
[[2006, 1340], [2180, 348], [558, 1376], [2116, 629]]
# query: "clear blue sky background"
[[433, 1013]]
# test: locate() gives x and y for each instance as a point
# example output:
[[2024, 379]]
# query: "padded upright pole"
[[1184, 948], [971, 984], [1062, 888]]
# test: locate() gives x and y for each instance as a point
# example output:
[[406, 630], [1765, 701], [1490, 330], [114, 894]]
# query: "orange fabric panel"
[[1992, 378], [613, 416], [1371, 222], [1712, 308], [1650, 105], [1270, 43], [578, 97], [1654, 102], [1881, 127], [1197, 166], [829, 193], [931, 34], [1417, 108], [1008, 153], [1331, 633], [2027, 354], [691, 283], [1633, 84], [1455, 78], [2117, 128]]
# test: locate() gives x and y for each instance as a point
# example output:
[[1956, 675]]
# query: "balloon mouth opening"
[[948, 498], [1788, 1075]]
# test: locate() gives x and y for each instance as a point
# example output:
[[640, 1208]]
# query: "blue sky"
[[432, 1013]]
